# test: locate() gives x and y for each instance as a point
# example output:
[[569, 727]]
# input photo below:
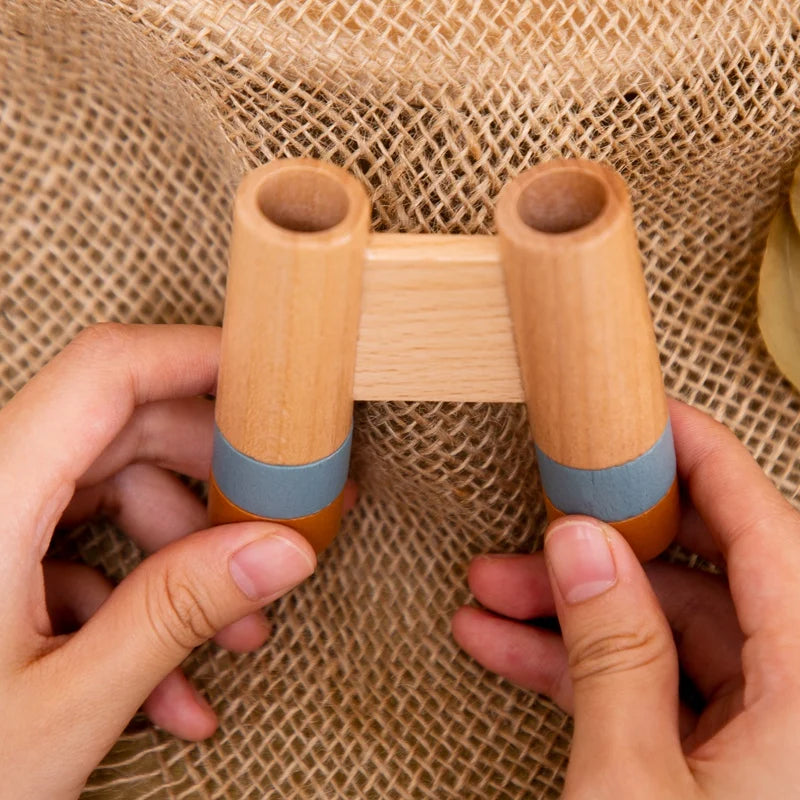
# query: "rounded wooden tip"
[[648, 533], [319, 529]]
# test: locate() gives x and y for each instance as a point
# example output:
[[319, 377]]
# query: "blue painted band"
[[279, 491], [614, 493]]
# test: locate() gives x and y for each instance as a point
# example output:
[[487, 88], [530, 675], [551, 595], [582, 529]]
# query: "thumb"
[[175, 600], [622, 658]]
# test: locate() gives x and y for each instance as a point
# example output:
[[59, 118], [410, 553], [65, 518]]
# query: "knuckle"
[[559, 687], [774, 518], [177, 612], [143, 433], [602, 652], [102, 338]]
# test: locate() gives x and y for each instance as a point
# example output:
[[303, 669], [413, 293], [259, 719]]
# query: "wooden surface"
[[435, 325], [582, 322], [292, 309], [435, 322]]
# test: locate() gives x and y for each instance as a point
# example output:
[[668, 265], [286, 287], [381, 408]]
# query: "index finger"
[[755, 528], [55, 427]]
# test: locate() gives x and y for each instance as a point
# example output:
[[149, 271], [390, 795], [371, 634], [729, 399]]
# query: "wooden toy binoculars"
[[553, 311]]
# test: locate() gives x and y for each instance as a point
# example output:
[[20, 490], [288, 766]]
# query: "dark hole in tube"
[[560, 202], [305, 201]]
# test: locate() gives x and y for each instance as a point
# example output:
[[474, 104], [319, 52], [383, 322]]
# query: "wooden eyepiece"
[[587, 350], [285, 395]]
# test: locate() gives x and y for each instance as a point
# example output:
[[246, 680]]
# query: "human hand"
[[101, 428], [616, 667]]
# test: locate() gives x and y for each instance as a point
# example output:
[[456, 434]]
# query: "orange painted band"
[[648, 533], [319, 528]]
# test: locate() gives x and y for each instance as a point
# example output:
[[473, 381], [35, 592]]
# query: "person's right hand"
[[616, 664], [102, 427]]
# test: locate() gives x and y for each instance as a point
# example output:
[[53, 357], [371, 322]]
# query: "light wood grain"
[[292, 309], [582, 323], [435, 323]]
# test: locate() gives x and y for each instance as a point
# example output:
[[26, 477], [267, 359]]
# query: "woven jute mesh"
[[124, 127]]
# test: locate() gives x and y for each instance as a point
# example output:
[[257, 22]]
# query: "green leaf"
[[779, 292], [794, 197]]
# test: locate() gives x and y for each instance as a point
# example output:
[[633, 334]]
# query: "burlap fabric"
[[124, 126]]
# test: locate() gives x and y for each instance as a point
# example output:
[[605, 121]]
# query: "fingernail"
[[267, 568], [580, 558]]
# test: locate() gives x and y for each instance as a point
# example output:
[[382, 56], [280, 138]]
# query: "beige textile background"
[[124, 126]]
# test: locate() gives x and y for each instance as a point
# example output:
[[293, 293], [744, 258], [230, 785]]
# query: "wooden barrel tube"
[[587, 351], [285, 394]]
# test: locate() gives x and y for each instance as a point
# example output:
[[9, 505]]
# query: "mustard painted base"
[[648, 533], [319, 528]]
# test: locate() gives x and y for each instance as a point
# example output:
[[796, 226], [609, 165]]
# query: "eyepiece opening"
[[562, 201], [302, 200]]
